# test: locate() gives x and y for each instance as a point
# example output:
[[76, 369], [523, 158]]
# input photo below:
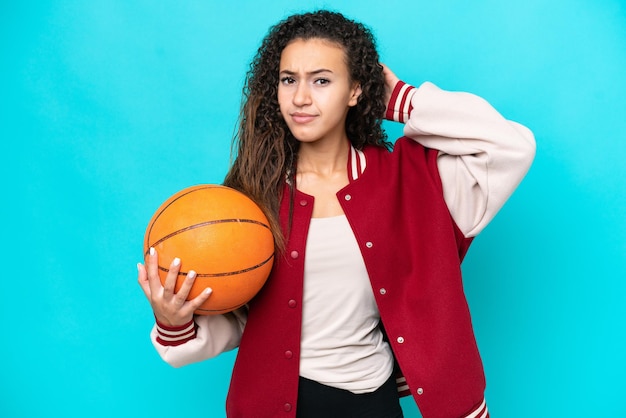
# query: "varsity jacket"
[[414, 212]]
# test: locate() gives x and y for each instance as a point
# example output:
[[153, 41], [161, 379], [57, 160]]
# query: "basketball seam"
[[193, 189], [203, 224], [224, 310], [230, 273]]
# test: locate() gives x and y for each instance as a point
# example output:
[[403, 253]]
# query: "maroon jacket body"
[[413, 251]]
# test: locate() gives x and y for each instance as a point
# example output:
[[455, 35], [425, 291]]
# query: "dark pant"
[[320, 401]]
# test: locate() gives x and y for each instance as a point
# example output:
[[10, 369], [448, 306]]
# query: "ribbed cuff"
[[399, 107], [480, 411], [172, 336]]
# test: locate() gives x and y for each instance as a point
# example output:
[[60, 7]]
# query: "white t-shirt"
[[342, 345]]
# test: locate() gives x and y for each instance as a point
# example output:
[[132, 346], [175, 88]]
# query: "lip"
[[300, 117]]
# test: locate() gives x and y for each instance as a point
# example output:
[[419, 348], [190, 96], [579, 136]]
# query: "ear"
[[355, 93]]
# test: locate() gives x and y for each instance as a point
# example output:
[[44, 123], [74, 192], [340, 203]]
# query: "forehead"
[[313, 54]]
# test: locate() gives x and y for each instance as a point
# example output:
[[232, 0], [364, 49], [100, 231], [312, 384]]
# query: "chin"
[[303, 137]]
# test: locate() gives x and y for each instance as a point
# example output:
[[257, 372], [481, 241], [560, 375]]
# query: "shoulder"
[[407, 154]]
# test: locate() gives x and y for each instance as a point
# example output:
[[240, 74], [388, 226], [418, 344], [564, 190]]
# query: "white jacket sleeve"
[[483, 157], [203, 338]]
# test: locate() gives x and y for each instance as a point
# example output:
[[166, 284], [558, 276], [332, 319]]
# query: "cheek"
[[283, 112]]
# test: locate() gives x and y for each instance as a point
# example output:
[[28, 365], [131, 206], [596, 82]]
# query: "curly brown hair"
[[264, 148]]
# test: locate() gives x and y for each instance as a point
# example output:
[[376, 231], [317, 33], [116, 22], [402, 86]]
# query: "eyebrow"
[[314, 72]]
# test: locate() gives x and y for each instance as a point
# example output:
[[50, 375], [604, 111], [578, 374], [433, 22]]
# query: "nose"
[[302, 95]]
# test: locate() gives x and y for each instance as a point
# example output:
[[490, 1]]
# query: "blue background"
[[109, 107]]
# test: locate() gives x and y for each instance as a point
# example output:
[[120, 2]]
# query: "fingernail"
[[176, 261], [152, 251], [191, 274], [139, 266], [208, 291]]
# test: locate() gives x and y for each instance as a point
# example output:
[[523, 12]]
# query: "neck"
[[323, 159]]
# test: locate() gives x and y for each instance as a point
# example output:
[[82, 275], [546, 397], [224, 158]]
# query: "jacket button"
[[287, 407], [347, 197], [292, 303], [288, 354], [420, 391], [294, 254], [383, 291], [369, 244], [400, 340], [303, 202]]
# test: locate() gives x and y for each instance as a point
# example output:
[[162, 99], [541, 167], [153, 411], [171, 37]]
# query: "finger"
[[142, 278], [389, 75], [185, 288], [390, 78], [385, 70], [196, 302], [152, 270], [171, 278]]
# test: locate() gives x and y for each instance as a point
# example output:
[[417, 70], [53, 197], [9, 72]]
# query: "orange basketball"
[[219, 233]]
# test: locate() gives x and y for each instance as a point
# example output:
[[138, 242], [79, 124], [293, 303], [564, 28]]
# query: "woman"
[[365, 300]]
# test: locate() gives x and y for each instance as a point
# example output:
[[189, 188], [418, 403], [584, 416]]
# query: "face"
[[315, 91]]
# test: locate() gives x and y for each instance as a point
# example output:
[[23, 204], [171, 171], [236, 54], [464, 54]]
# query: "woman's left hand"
[[390, 82]]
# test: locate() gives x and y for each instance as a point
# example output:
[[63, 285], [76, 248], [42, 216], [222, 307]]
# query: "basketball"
[[219, 233]]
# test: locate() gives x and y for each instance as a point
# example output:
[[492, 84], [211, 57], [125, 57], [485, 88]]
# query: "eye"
[[287, 80], [322, 81]]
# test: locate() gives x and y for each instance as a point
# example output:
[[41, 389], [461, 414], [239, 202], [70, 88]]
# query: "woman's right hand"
[[170, 308]]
